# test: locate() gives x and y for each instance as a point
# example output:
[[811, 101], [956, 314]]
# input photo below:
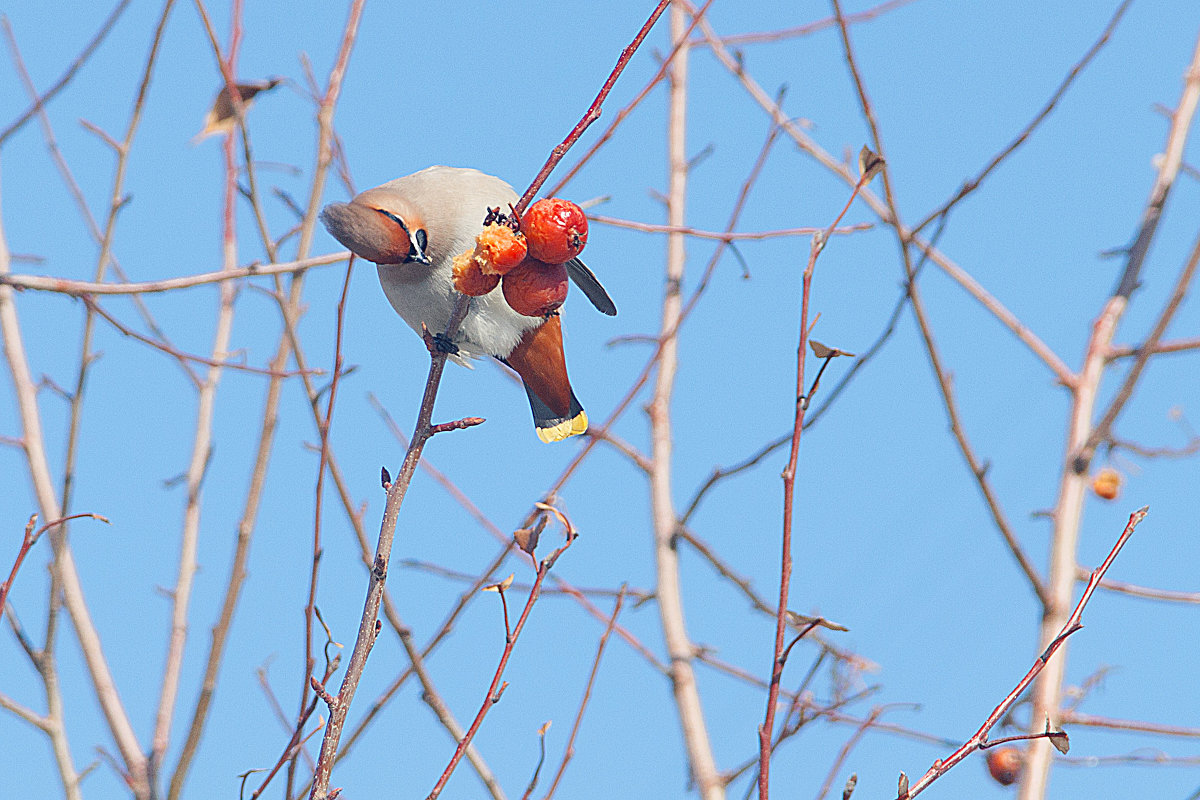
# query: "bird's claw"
[[441, 343]]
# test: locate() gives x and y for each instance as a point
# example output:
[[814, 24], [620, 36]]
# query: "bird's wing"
[[587, 281]]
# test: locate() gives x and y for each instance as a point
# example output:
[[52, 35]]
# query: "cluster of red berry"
[[530, 260]]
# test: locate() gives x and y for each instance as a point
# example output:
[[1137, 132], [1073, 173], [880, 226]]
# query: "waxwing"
[[412, 228]]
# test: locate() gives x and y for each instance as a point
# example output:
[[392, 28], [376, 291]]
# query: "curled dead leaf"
[[869, 163], [825, 351], [501, 586]]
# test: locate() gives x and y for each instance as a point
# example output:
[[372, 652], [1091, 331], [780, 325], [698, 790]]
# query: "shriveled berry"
[[536, 288], [1004, 765], [555, 229], [469, 279], [499, 248]]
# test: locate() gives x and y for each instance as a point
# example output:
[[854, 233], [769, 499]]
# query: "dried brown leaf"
[[802, 621], [1060, 740], [869, 163], [501, 586], [825, 351]]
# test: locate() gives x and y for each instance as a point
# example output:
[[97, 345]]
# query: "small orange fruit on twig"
[[1004, 765], [1107, 483]]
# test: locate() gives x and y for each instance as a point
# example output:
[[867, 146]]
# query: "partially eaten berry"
[[555, 229], [469, 278], [499, 248]]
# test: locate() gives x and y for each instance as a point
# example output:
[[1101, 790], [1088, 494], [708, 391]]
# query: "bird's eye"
[[421, 239]]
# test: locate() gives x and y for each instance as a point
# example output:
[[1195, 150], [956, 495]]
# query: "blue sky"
[[893, 539]]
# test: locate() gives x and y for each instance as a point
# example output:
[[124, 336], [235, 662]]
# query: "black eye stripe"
[[393, 218]]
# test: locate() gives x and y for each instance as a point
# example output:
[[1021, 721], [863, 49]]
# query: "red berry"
[[469, 279], [1004, 765], [555, 229], [535, 288], [499, 248]]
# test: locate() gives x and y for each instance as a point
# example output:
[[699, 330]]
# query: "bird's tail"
[[552, 427]]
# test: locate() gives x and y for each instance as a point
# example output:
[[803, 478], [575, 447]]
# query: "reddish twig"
[[496, 688], [592, 114], [170, 350], [979, 740], [367, 628], [28, 541], [323, 427], [836, 767], [624, 112], [587, 694], [40, 102], [789, 482], [293, 747]]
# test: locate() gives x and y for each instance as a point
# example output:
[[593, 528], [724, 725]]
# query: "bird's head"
[[379, 225]]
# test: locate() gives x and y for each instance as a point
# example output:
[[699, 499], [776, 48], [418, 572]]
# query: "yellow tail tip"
[[565, 429]]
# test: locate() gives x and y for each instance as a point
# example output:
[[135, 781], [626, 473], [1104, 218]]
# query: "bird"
[[412, 228], [222, 116]]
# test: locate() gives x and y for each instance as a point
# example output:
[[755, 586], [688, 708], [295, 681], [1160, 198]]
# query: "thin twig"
[[974, 183], [620, 116], [496, 688], [270, 412], [980, 738], [1165, 595], [779, 659], [978, 468], [44, 283], [956, 273], [1081, 431], [1091, 720], [66, 77], [811, 27], [210, 361], [569, 752], [728, 236], [592, 114]]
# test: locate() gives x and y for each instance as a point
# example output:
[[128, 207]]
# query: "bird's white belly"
[[491, 328]]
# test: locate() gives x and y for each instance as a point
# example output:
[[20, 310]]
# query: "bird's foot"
[[440, 343]]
